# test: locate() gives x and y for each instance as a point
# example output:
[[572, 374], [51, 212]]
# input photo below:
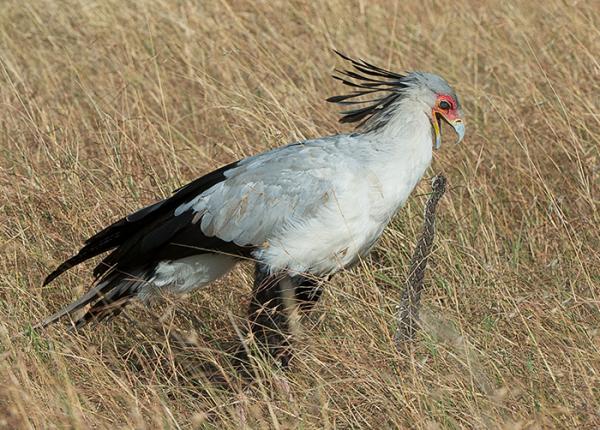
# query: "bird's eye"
[[445, 105]]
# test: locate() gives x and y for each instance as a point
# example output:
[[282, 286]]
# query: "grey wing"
[[241, 204], [265, 193]]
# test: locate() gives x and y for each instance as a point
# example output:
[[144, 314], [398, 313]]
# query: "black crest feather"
[[368, 79]]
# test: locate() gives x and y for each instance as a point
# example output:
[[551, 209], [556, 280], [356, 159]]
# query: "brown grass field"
[[109, 105]]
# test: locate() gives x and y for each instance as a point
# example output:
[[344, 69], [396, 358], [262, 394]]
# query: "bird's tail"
[[107, 298]]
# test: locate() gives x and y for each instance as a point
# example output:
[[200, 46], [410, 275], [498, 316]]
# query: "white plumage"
[[303, 211]]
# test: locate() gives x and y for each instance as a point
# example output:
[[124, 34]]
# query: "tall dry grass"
[[109, 105]]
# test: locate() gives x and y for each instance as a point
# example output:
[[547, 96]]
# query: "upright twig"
[[408, 312]]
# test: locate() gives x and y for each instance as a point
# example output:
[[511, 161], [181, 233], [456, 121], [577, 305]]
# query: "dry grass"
[[108, 106]]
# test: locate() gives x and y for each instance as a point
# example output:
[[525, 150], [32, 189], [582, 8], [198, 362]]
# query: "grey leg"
[[307, 292], [268, 313]]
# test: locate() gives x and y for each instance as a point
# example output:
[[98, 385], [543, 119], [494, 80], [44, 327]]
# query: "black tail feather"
[[138, 242], [112, 303], [107, 298]]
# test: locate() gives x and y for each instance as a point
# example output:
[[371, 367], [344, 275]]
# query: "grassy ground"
[[107, 106]]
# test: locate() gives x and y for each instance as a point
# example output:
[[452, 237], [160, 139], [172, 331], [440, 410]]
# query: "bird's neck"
[[400, 152], [404, 136], [404, 122]]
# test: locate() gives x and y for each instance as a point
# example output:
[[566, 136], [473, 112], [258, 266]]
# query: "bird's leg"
[[308, 291], [268, 313]]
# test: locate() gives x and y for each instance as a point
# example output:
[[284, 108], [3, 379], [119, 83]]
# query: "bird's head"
[[440, 100], [426, 91]]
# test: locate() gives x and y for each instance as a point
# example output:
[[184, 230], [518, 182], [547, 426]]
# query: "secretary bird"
[[301, 212]]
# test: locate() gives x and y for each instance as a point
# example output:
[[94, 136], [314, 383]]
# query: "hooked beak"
[[456, 123]]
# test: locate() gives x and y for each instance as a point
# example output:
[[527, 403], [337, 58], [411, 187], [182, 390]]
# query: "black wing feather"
[[126, 232]]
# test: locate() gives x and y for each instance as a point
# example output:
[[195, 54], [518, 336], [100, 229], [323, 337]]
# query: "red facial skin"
[[451, 114]]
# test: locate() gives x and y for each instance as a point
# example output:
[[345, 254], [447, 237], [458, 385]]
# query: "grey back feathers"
[[390, 87]]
